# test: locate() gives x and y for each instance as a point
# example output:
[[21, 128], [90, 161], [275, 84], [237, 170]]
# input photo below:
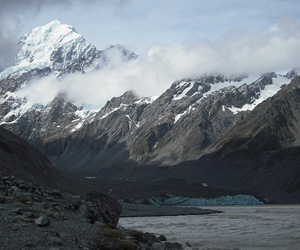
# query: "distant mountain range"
[[236, 134]]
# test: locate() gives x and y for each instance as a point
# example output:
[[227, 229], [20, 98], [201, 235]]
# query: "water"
[[243, 227]]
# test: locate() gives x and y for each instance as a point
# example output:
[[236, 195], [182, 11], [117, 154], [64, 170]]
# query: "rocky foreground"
[[32, 217]]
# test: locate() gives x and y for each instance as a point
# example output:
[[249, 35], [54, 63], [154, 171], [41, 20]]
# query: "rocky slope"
[[177, 126], [20, 159], [33, 217], [258, 156]]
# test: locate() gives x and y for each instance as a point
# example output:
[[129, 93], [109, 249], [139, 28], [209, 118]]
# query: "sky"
[[173, 38]]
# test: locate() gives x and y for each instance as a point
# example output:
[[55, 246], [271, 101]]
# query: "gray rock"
[[55, 241], [30, 215], [15, 189], [59, 216], [18, 211], [42, 221], [158, 246], [55, 192], [19, 182], [32, 242], [107, 208], [51, 199], [173, 246], [162, 238]]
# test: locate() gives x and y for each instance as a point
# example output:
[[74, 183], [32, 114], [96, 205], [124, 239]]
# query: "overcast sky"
[[139, 24], [173, 38]]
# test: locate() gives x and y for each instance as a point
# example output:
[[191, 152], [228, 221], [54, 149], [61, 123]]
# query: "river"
[[263, 227]]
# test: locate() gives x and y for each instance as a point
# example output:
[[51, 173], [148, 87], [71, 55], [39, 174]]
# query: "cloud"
[[240, 51], [40, 91]]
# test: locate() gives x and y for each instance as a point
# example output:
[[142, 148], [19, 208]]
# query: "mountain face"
[[54, 50], [19, 158], [187, 133], [175, 127], [261, 153]]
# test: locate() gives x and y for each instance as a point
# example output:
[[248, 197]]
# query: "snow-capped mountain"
[[55, 46], [132, 135], [54, 50]]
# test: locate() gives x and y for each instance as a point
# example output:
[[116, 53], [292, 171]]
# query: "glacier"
[[171, 200]]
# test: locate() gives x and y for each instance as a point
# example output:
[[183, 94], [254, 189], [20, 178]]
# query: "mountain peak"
[[55, 45], [37, 47], [55, 22]]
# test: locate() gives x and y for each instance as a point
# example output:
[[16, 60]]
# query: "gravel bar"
[[141, 210]]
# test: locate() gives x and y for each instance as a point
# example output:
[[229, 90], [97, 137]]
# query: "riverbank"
[[141, 210], [265, 227]]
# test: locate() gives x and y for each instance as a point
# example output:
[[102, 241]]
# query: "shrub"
[[137, 235]]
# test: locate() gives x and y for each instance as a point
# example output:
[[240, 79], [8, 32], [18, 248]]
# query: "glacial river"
[[243, 227]]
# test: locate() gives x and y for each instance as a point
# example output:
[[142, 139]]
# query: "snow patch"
[[265, 93], [78, 126], [146, 100], [91, 177], [220, 85], [110, 112], [187, 86], [178, 116]]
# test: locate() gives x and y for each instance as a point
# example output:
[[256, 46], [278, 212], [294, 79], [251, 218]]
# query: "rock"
[[107, 208], [188, 244], [158, 246], [38, 206], [223, 248], [151, 238], [18, 211], [59, 216], [173, 246], [53, 240], [3, 199], [74, 205], [29, 215], [42, 221], [32, 242], [15, 189], [38, 192], [162, 238], [55, 192], [19, 182], [50, 199]]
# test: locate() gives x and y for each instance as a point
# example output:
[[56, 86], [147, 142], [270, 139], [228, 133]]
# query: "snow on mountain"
[[268, 91], [54, 45], [254, 88], [45, 53], [207, 106]]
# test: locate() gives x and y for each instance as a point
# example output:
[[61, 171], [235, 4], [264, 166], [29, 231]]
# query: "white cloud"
[[40, 91]]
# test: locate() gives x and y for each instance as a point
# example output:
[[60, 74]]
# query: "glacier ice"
[[171, 200]]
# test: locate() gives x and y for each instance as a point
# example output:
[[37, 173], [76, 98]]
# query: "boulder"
[[108, 210], [42, 221], [173, 246]]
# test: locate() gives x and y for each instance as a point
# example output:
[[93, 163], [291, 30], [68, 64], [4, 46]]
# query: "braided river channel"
[[262, 227]]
